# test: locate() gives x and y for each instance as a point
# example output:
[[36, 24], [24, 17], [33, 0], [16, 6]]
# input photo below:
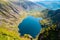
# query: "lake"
[[30, 25]]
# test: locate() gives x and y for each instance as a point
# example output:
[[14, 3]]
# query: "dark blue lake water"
[[30, 25]]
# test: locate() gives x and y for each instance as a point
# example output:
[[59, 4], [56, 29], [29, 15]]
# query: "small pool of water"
[[30, 25]]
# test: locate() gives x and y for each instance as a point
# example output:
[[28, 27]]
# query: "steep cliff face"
[[10, 14], [10, 17]]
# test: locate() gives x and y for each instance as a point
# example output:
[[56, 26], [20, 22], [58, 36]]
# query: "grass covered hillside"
[[10, 17]]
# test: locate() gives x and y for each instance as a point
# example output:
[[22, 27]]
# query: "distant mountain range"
[[50, 4]]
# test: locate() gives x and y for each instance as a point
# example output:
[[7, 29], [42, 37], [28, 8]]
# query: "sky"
[[42, 0]]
